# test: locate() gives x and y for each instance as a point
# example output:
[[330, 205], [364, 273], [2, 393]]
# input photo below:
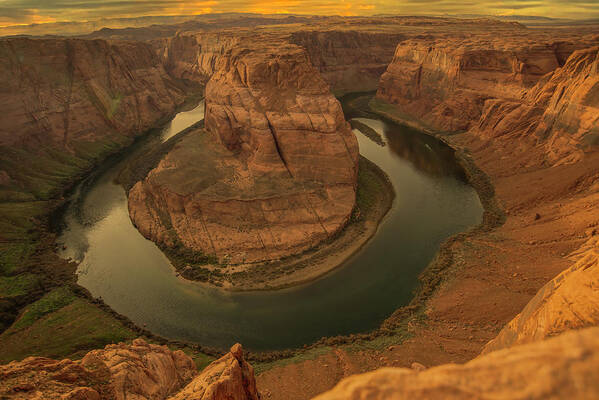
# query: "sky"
[[16, 12]]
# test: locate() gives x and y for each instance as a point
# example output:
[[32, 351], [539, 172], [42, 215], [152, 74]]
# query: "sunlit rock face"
[[228, 378], [562, 367], [130, 371], [561, 112], [275, 172], [569, 301], [446, 81]]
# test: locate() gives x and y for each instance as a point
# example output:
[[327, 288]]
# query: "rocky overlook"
[[278, 163], [130, 371]]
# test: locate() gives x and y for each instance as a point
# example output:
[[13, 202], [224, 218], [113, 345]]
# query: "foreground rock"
[[274, 173], [570, 301], [137, 371], [562, 367], [228, 378]]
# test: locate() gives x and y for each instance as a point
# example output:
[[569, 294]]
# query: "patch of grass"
[[370, 186], [12, 286], [54, 300], [312, 354], [72, 327], [201, 360]]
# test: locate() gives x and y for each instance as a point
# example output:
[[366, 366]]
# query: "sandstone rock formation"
[[138, 371], [196, 56], [570, 301], [558, 368], [275, 173], [77, 97], [561, 111], [444, 82], [229, 377]]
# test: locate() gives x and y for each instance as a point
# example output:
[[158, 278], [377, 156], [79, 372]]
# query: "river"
[[133, 276]]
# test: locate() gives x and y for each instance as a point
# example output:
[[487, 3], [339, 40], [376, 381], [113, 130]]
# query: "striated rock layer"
[[444, 82], [561, 111], [541, 90], [275, 173], [137, 371], [66, 98], [563, 367], [349, 60]]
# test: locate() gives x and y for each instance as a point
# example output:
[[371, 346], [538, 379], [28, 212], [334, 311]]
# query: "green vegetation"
[[305, 355], [42, 311], [60, 324], [18, 285], [55, 300], [201, 360]]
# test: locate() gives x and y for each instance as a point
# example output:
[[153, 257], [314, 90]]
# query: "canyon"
[[521, 104]]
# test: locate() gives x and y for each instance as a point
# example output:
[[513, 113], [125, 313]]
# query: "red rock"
[[228, 378], [569, 301], [137, 371], [275, 174], [562, 367]]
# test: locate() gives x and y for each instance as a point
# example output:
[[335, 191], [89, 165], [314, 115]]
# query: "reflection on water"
[[133, 276], [183, 120]]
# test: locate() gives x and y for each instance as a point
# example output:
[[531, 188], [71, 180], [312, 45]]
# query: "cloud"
[[24, 11]]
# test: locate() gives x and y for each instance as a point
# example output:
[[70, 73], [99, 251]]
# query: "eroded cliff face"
[[561, 112], [274, 173], [445, 82], [76, 98], [349, 60], [196, 56], [136, 371]]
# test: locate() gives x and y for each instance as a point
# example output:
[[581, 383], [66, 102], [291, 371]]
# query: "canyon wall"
[[275, 173], [66, 101], [561, 112], [347, 60], [195, 56], [445, 82], [350, 61]]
